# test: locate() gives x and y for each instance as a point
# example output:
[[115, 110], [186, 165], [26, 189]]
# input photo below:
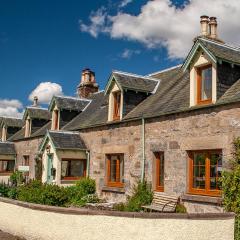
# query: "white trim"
[[135, 75], [156, 88], [87, 106], [235, 48], [63, 132], [164, 70], [98, 92], [73, 98], [41, 108]]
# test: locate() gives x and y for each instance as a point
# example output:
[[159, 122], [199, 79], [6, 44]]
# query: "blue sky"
[[52, 41]]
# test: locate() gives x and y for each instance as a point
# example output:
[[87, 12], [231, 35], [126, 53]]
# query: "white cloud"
[[11, 108], [124, 3], [45, 91], [161, 24], [128, 53], [98, 23]]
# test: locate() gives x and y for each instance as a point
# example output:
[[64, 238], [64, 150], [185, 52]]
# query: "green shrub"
[[16, 178], [142, 195], [180, 208], [83, 192], [4, 189], [12, 193], [47, 194]]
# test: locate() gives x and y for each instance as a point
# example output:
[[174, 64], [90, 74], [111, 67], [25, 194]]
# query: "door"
[[49, 168], [159, 171]]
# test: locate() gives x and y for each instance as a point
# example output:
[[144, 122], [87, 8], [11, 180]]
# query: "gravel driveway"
[[6, 236]]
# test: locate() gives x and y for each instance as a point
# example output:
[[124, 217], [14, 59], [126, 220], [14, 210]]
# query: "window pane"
[[64, 169], [7, 166], [199, 171], [116, 168], [206, 88], [215, 171], [77, 168]]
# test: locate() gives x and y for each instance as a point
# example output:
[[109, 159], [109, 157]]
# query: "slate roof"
[[7, 148], [37, 113], [135, 82], [222, 51], [67, 140], [95, 114], [18, 135], [12, 122], [42, 131], [69, 103]]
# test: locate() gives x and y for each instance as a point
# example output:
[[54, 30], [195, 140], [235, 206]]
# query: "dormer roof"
[[129, 81], [11, 122], [68, 103], [216, 51], [36, 113]]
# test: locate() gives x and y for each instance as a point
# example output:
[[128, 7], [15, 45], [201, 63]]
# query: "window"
[[116, 105], [115, 170], [56, 119], [28, 128], [7, 166], [26, 160], [159, 171], [205, 169], [73, 169], [204, 85]]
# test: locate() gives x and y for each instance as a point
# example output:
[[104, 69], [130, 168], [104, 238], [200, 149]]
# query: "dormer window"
[[55, 120], [116, 105], [204, 84], [28, 127]]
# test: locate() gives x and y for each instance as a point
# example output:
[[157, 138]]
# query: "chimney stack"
[[213, 27], [35, 101], [204, 25], [88, 84]]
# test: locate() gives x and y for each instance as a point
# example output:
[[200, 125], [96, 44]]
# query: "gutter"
[[143, 151], [88, 163]]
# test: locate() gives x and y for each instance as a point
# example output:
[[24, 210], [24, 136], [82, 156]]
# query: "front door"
[[159, 171], [49, 168]]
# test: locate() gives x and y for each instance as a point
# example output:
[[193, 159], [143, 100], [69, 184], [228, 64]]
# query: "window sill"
[[68, 181], [6, 173], [202, 199], [113, 189]]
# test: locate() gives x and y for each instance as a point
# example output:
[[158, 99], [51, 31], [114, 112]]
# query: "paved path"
[[6, 236]]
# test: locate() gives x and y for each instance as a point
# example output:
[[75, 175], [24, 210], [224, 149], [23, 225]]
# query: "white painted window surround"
[[115, 88], [201, 59]]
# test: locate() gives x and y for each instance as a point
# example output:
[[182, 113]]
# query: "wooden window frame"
[[118, 182], [158, 186], [56, 119], [26, 158], [74, 178], [116, 105], [207, 191], [199, 85], [3, 173]]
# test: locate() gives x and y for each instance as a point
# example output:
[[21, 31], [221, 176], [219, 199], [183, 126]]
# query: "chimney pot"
[[35, 101], [213, 27], [204, 25]]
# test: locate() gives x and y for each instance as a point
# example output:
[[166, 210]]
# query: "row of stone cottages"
[[174, 128]]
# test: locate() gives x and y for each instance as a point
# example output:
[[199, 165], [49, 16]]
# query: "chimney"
[[88, 84], [213, 27], [204, 25], [35, 101]]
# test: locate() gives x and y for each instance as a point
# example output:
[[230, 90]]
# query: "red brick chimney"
[[88, 84]]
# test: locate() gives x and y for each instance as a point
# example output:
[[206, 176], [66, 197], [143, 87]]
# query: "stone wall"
[[28, 147], [212, 128], [39, 222]]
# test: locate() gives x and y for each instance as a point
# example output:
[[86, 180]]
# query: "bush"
[[36, 192], [4, 189], [83, 192], [16, 178], [180, 208], [142, 195]]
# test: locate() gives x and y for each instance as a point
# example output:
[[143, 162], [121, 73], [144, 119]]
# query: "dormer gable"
[[126, 91], [35, 118], [63, 109], [9, 126]]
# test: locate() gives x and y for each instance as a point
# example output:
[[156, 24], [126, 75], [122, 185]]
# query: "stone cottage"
[[173, 128]]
